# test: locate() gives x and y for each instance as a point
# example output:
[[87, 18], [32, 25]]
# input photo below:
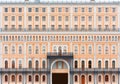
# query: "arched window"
[[90, 78], [36, 78], [99, 64], [30, 78], [20, 78], [13, 64], [6, 78], [76, 78], [43, 78], [30, 64], [113, 78], [43, 64], [113, 64], [106, 78], [6, 64], [36, 64], [76, 64], [83, 64], [89, 64], [99, 78], [13, 78], [106, 64]]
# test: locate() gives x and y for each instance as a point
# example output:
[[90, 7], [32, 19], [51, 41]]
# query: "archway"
[[60, 69]]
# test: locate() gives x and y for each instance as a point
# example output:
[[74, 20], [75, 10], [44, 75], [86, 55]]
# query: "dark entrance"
[[59, 78]]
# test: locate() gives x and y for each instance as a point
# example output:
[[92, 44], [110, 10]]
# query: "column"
[[48, 78], [0, 61], [95, 74], [24, 75], [119, 61], [71, 78]]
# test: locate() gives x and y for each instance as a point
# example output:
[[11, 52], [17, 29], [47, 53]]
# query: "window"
[[99, 78], [29, 49], [75, 9], [30, 64], [106, 78], [76, 49], [106, 50], [29, 27], [99, 49], [52, 18], [13, 64], [20, 78], [99, 10], [36, 78], [36, 9], [83, 64], [6, 64], [13, 49], [13, 9], [6, 9], [75, 18], [106, 64], [59, 9], [20, 9], [99, 18], [90, 49], [76, 78], [36, 50], [29, 78], [6, 78], [29, 18], [43, 78], [99, 64], [106, 9], [106, 18], [43, 49], [66, 9], [43, 9], [20, 18], [113, 18], [20, 49], [6, 18], [113, 78], [113, 49], [90, 9], [76, 64], [13, 78], [89, 64], [20, 64], [36, 64], [59, 18], [82, 49], [90, 18], [52, 9], [43, 18], [113, 9], [29, 9], [13, 18], [83, 9], [90, 78], [66, 18], [6, 49], [113, 64], [82, 18], [43, 64]]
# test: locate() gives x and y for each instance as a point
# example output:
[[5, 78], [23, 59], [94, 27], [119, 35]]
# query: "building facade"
[[59, 43]]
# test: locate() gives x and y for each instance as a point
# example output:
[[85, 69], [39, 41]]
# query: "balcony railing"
[[98, 70], [59, 55], [23, 70], [58, 30]]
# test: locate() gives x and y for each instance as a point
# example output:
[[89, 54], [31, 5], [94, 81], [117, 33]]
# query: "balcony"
[[58, 30], [58, 55], [95, 70], [24, 70]]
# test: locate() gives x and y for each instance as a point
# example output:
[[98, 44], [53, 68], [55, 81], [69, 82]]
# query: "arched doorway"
[[82, 79], [60, 69]]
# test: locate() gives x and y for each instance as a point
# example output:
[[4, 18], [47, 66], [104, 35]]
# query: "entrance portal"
[[59, 78]]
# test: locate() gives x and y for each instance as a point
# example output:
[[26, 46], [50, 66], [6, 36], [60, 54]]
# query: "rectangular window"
[[20, 9], [52, 18], [29, 18], [52, 9], [13, 9], [99, 10], [43, 9], [6, 18], [75, 9], [66, 9], [43, 18], [6, 9], [59, 9], [20, 18], [13, 18], [29, 9], [36, 9], [90, 9], [83, 9], [59, 18], [113, 9]]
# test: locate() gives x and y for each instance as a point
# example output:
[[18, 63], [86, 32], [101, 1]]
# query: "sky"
[[59, 1]]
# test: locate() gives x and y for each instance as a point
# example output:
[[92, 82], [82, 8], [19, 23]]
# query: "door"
[[83, 79]]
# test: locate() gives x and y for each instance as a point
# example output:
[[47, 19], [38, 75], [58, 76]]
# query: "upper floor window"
[[43, 9], [90, 78], [20, 49], [13, 9], [113, 49], [52, 9], [29, 9], [89, 64], [75, 9], [13, 18], [43, 49], [36, 50], [13, 49], [90, 9], [20, 9], [29, 18], [113, 9], [99, 49], [76, 78], [6, 9], [6, 49], [43, 18], [66, 9], [6, 18], [36, 9], [106, 9], [59, 9], [83, 9], [82, 49], [99, 10], [29, 49], [90, 49]]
